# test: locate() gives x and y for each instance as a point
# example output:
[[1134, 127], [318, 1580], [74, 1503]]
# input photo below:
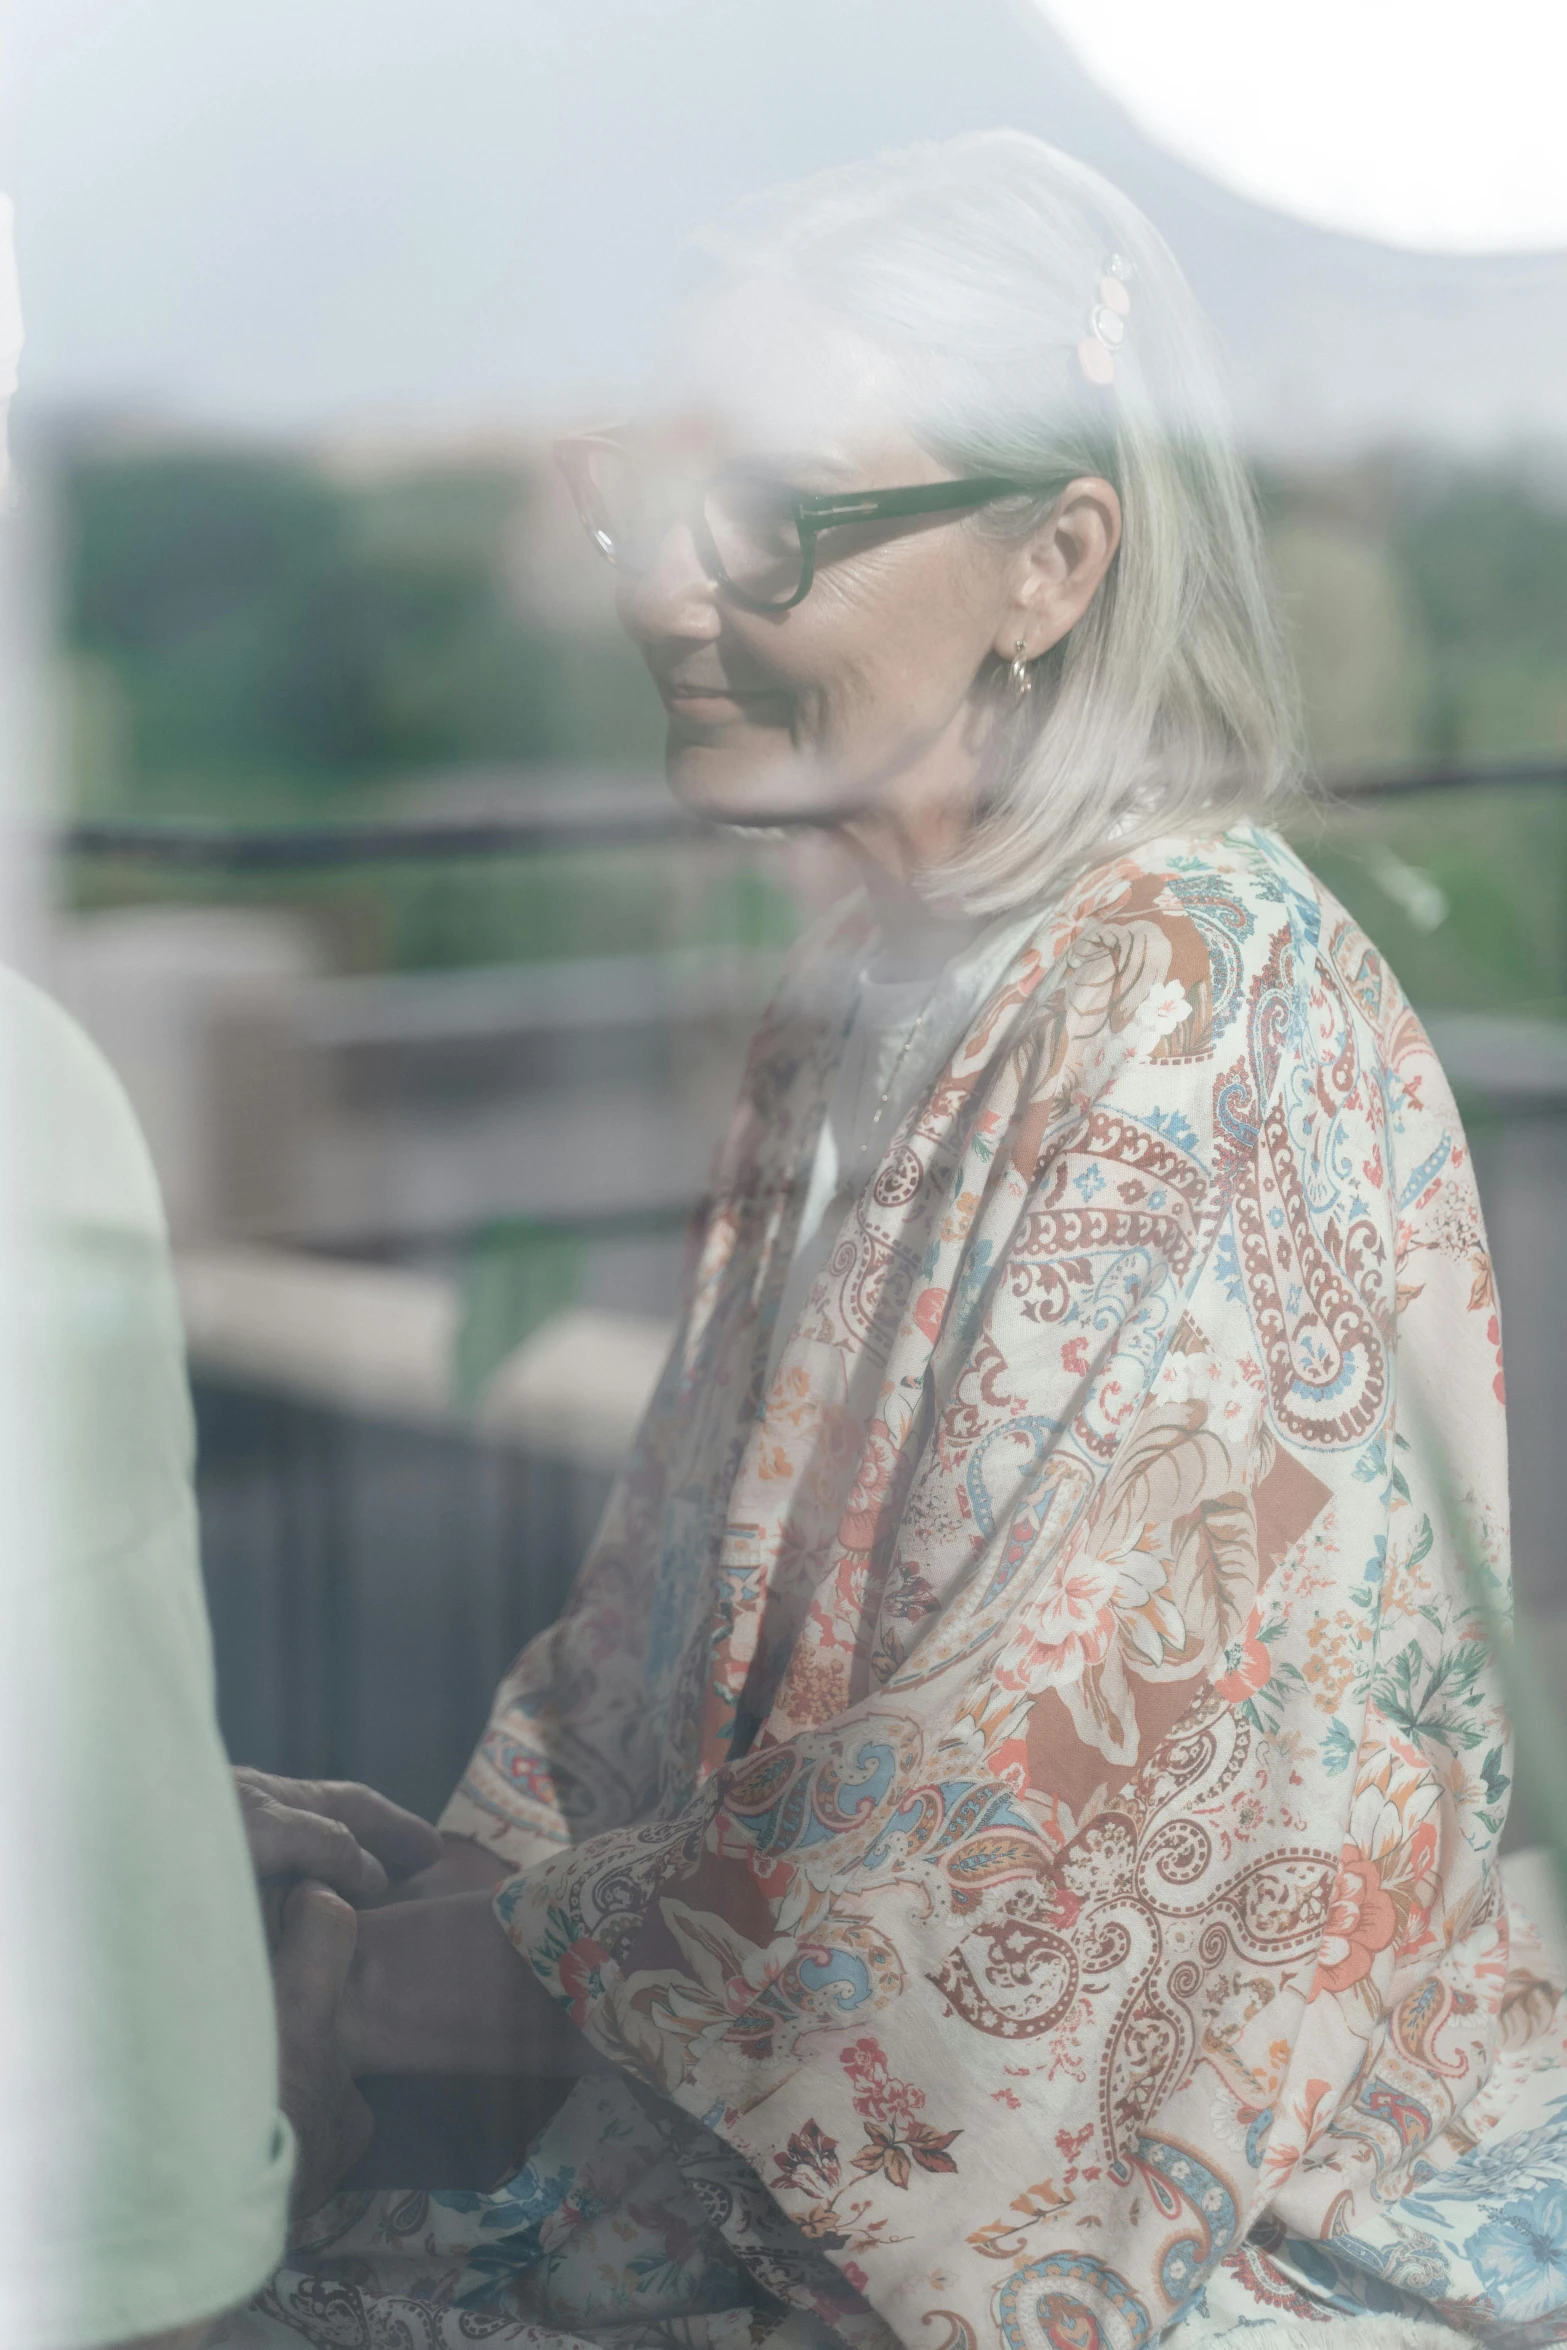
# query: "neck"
[[915, 937], [917, 818]]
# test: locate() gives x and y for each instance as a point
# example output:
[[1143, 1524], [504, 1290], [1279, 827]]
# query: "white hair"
[[974, 266]]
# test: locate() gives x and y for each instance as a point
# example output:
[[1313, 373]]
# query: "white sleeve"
[[144, 2166]]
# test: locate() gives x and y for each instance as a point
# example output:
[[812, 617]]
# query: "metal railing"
[[369, 1581], [621, 822]]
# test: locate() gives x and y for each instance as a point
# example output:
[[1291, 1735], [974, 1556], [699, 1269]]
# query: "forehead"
[[758, 366]]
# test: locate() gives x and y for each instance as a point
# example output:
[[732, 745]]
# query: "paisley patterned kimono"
[[1015, 1795]]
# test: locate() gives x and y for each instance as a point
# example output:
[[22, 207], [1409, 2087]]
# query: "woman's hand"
[[464, 1867], [333, 1830], [331, 2121], [435, 1987]]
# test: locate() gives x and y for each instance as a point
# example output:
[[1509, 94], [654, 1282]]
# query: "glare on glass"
[[756, 534]]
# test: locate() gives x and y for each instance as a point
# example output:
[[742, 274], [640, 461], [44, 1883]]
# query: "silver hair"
[[974, 265]]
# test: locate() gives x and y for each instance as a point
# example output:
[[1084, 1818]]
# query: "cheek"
[[903, 633]]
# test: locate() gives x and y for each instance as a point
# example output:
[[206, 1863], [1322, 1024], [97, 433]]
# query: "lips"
[[716, 701]]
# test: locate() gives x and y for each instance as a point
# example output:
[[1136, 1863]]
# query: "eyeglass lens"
[[749, 521]]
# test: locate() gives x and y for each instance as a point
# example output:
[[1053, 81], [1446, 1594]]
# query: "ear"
[[1059, 567]]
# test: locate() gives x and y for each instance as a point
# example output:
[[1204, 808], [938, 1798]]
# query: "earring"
[[1021, 675]]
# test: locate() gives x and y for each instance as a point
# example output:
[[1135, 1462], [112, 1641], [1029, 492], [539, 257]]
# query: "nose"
[[670, 594]]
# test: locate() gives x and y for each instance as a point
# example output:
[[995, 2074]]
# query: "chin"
[[752, 782]]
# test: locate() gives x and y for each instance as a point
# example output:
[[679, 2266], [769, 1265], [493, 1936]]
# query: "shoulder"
[[74, 1150], [1183, 934], [1246, 886]]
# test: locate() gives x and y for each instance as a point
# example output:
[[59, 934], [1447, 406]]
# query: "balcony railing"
[[618, 821], [374, 1558]]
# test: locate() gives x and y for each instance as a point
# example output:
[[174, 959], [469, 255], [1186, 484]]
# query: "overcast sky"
[[296, 215], [286, 212]]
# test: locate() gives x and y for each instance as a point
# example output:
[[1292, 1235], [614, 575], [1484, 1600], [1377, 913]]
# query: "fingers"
[[399, 1839], [464, 1867], [310, 1971], [315, 1950], [286, 1839], [274, 1892], [326, 1848]]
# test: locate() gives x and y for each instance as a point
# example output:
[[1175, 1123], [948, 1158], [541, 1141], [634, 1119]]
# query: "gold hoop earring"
[[1021, 675]]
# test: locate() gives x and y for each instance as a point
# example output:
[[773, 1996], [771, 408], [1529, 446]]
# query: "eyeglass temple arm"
[[921, 498]]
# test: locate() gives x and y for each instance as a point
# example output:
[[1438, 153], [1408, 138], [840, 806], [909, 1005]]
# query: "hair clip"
[[1106, 323]]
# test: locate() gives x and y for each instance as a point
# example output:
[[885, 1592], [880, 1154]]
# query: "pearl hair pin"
[[1106, 323]]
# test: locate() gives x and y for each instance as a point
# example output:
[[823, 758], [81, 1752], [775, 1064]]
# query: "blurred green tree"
[[252, 633], [270, 632], [1484, 553]]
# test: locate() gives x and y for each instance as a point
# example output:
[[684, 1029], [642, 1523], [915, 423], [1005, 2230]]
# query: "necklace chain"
[[903, 1052]]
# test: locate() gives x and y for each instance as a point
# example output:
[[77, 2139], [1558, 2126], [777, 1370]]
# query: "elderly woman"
[[1004, 1832]]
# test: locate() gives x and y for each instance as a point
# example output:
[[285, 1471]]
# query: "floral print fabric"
[[1024, 1781]]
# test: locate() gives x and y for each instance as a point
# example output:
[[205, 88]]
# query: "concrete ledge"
[[377, 1340], [579, 1386], [367, 1338]]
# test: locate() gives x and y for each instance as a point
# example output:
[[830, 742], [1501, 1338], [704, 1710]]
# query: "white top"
[[144, 2166], [915, 998]]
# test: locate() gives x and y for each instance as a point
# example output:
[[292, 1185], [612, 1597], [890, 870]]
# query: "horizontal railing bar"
[[320, 847], [1392, 783], [393, 1241], [304, 847]]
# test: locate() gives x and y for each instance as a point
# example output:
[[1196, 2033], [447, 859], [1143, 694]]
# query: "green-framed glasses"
[[756, 534]]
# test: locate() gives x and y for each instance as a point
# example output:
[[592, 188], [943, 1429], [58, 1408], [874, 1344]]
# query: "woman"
[[1005, 1828]]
